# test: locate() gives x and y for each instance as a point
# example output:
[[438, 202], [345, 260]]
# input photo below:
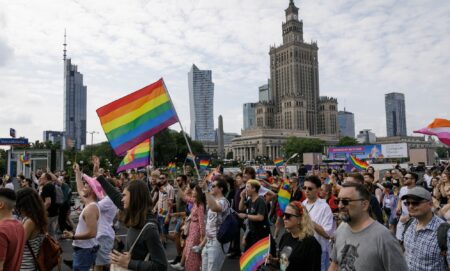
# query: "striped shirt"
[[28, 262]]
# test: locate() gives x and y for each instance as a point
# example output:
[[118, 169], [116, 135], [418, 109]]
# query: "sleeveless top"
[[28, 263], [81, 227]]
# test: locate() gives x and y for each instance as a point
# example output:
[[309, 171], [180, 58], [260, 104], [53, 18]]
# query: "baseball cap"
[[417, 192], [95, 186]]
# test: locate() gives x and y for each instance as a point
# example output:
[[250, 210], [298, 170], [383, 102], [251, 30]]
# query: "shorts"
[[106, 245], [178, 225], [163, 228]]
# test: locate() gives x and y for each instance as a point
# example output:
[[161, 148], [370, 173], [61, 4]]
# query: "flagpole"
[[267, 257], [182, 130]]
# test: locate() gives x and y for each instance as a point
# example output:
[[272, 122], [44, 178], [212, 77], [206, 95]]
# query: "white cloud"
[[366, 49]]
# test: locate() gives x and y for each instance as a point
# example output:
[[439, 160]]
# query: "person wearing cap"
[[409, 182], [85, 244], [12, 233], [420, 238], [389, 203]]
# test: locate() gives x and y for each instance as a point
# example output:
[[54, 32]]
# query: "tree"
[[347, 141], [443, 152], [302, 145]]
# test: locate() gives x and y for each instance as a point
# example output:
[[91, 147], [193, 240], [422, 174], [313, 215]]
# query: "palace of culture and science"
[[294, 106]]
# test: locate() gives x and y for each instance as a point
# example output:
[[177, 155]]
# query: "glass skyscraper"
[[395, 114], [74, 106], [346, 122], [201, 103]]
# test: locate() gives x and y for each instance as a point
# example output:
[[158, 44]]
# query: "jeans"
[[84, 258], [213, 256], [325, 261], [53, 226]]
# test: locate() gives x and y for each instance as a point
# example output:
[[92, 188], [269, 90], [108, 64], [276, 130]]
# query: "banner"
[[399, 150], [376, 151]]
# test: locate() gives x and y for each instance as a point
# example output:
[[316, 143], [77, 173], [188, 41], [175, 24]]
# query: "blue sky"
[[366, 49]]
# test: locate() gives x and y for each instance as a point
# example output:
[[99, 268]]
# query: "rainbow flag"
[[138, 156], [25, 158], [172, 167], [132, 119], [204, 164], [278, 162], [284, 195], [254, 256], [357, 163], [190, 156], [439, 128]]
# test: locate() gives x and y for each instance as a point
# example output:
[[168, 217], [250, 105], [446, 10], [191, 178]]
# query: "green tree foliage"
[[443, 152], [347, 141], [301, 145], [3, 161]]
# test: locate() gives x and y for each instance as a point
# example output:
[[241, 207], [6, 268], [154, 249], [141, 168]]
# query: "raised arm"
[[111, 191]]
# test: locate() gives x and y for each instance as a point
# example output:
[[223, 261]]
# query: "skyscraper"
[[346, 122], [249, 116], [395, 114], [201, 103], [75, 98], [264, 93]]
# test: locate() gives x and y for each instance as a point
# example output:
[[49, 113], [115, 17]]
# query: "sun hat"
[[95, 186]]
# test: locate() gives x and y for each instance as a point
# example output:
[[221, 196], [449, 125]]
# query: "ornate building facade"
[[295, 107]]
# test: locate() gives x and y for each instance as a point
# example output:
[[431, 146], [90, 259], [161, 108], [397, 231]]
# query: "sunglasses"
[[308, 188], [346, 202], [413, 203], [288, 216]]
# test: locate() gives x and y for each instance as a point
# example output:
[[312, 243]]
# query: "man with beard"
[[164, 206], [409, 182], [362, 243]]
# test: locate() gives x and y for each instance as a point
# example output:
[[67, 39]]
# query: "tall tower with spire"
[[75, 100]]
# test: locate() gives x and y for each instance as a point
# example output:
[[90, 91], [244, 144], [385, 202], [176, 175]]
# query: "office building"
[[249, 115], [346, 121], [56, 137], [264, 92], [201, 103], [395, 114]]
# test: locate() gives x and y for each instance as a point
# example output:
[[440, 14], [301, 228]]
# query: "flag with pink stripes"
[[439, 128]]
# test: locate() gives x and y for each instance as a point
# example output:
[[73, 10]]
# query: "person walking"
[[34, 220]]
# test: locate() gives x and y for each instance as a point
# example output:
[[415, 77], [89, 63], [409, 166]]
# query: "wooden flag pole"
[[182, 130]]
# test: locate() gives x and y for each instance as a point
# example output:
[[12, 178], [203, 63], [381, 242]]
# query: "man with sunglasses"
[[420, 238], [361, 242], [164, 205], [321, 215], [409, 182]]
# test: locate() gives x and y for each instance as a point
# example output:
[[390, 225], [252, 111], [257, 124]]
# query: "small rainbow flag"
[[254, 256], [204, 164], [138, 156], [357, 163], [190, 156], [172, 167], [25, 158], [132, 119], [284, 195], [439, 128], [278, 162]]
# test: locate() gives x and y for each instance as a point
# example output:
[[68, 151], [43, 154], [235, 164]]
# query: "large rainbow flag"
[[132, 119], [138, 156], [357, 163], [254, 256], [284, 196], [439, 128]]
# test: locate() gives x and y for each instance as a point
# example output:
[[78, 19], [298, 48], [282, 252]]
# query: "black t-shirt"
[[298, 254], [257, 208], [48, 191]]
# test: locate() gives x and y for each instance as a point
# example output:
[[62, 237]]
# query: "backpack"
[[59, 195], [49, 255], [229, 227]]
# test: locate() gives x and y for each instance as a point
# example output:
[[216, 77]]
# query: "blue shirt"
[[421, 247]]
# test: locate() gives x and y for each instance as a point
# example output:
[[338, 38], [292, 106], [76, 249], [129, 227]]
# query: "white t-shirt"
[[167, 193], [108, 210], [400, 225], [214, 219], [320, 212], [10, 186]]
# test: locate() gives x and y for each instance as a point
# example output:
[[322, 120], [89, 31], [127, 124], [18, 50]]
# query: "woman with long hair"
[[196, 233], [298, 248], [135, 205], [34, 219]]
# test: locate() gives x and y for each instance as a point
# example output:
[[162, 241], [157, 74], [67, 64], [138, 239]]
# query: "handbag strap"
[[32, 254], [135, 241]]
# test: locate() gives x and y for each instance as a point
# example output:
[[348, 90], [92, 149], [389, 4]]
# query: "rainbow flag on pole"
[[284, 196], [357, 163], [439, 128], [204, 164], [190, 156], [172, 167], [138, 156], [254, 256], [138, 116], [25, 158], [278, 162]]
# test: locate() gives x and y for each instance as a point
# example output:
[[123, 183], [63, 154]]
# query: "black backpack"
[[229, 227]]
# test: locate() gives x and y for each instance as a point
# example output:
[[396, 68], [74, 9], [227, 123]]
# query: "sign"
[[399, 150], [14, 141], [12, 132], [361, 152]]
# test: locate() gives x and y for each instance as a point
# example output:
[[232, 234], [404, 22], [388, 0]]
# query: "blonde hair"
[[306, 224]]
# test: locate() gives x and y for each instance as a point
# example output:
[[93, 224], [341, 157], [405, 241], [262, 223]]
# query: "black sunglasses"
[[413, 203], [308, 188], [346, 202], [288, 216]]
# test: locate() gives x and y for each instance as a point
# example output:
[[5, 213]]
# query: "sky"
[[366, 49]]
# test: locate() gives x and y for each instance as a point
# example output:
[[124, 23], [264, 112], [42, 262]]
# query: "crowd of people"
[[335, 220]]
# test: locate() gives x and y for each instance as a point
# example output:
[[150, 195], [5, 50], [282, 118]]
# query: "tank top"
[[28, 262], [81, 227]]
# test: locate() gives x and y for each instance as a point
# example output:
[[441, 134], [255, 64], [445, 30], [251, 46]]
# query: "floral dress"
[[196, 231]]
